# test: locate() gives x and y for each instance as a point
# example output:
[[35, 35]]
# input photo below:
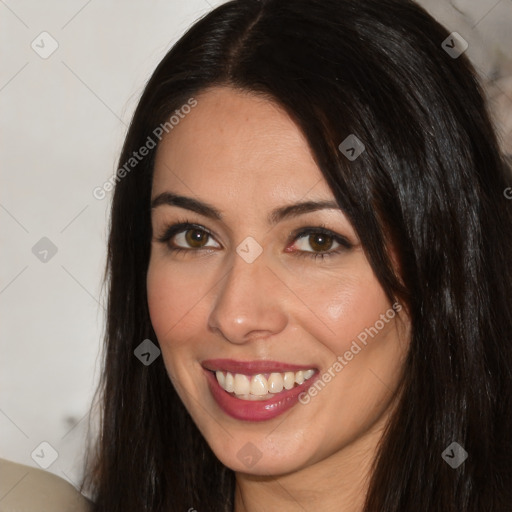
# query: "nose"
[[248, 303]]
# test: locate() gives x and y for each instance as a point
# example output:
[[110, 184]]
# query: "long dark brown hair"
[[430, 182]]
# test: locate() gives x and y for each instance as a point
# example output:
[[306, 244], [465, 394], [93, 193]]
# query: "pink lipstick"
[[261, 409]]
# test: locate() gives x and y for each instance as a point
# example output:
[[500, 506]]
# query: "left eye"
[[318, 242]]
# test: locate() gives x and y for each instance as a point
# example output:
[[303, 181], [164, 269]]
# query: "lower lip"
[[260, 410]]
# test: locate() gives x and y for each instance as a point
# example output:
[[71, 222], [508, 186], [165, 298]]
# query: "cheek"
[[175, 307], [345, 308], [161, 290], [174, 300]]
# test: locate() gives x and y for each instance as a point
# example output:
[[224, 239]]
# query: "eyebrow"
[[275, 216]]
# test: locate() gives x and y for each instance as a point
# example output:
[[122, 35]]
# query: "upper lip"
[[252, 367]]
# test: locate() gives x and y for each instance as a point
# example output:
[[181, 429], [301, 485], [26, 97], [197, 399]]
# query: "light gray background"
[[63, 120]]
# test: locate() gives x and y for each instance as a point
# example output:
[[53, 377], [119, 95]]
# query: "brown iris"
[[196, 237], [320, 241]]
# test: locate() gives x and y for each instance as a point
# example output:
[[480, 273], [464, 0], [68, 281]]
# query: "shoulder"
[[27, 489]]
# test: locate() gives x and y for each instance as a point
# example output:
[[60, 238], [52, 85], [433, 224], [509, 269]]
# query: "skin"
[[243, 155]]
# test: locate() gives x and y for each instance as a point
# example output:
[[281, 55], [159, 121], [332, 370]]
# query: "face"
[[278, 299]]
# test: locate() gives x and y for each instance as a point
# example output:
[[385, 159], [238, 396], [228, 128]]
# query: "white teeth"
[[289, 380], [275, 383], [229, 385], [308, 374], [242, 384], [258, 387], [221, 379]]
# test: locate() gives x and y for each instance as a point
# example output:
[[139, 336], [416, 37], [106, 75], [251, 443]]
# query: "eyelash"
[[175, 229]]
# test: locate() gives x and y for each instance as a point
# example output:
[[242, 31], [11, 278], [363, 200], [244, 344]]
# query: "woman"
[[310, 291]]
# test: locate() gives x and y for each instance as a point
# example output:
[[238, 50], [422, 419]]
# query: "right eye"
[[187, 237]]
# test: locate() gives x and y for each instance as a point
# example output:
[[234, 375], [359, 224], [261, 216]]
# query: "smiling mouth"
[[261, 386], [258, 390]]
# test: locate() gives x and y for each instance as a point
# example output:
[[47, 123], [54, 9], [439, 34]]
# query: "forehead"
[[234, 143]]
